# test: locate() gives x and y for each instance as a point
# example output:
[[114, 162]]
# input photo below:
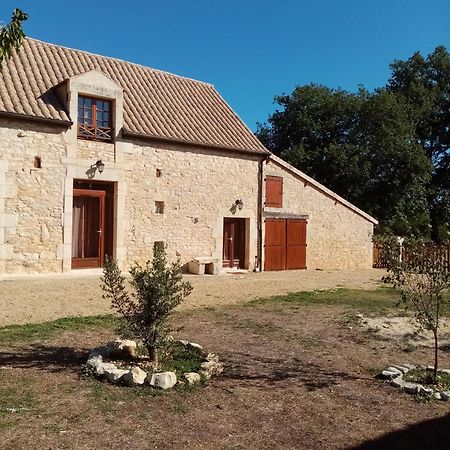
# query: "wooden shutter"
[[274, 192]]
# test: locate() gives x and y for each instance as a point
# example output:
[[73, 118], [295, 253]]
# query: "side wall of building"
[[337, 237]]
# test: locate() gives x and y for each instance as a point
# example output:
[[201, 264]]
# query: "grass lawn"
[[299, 373]]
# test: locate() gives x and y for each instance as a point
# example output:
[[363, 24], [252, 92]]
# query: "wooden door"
[[285, 244], [234, 243], [275, 245], [88, 222], [295, 244]]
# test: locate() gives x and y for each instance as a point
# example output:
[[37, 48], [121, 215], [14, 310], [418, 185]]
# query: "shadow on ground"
[[267, 371], [431, 434], [44, 357]]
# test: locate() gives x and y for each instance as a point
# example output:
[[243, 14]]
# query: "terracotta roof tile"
[[156, 104]]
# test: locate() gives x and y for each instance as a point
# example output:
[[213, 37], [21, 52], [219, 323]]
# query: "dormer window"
[[94, 119]]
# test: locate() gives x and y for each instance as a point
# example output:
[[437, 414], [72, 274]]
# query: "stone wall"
[[337, 236], [198, 188], [31, 199]]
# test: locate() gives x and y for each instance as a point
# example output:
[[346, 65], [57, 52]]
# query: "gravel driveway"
[[39, 299]]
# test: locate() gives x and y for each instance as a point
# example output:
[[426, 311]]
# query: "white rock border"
[[136, 376], [394, 374]]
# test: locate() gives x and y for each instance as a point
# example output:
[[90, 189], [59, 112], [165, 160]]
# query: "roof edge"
[[120, 60], [133, 134], [55, 122], [322, 188]]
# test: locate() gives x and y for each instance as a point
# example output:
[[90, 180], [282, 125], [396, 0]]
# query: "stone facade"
[[198, 187], [338, 236]]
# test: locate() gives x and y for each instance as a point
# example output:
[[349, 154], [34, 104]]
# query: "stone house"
[[101, 156]]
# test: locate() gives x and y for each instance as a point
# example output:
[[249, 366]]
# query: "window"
[[274, 192], [94, 119], [159, 207]]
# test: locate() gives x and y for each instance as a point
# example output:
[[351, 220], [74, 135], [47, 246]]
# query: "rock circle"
[[122, 349], [394, 375]]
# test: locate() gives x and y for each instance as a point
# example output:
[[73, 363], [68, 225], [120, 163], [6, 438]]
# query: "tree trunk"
[[153, 354], [435, 356]]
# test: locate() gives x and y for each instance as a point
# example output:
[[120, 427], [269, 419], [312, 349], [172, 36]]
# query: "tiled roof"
[[156, 104]]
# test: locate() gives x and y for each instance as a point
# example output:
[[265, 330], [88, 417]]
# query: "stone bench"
[[204, 264]]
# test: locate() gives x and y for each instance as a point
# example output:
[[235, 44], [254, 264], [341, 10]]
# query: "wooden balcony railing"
[[94, 133]]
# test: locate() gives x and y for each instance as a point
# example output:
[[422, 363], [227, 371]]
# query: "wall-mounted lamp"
[[239, 203], [100, 166]]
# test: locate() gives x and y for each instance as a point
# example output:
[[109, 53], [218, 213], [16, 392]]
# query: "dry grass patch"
[[297, 375]]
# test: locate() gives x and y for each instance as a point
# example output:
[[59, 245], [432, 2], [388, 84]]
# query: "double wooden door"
[[88, 225], [285, 244], [234, 243]]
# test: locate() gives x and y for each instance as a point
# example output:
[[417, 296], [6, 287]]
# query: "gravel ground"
[[39, 299]]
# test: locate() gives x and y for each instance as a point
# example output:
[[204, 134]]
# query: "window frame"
[[279, 181], [92, 131]]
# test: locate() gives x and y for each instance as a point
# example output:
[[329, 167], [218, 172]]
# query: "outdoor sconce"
[[100, 166], [239, 203]]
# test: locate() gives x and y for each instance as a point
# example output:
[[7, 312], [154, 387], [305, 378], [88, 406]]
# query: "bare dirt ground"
[[296, 377], [36, 300]]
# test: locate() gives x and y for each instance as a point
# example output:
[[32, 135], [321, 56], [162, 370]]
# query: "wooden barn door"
[[275, 254], [295, 244], [285, 244], [88, 222]]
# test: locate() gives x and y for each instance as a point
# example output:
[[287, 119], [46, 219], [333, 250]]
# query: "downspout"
[[260, 210]]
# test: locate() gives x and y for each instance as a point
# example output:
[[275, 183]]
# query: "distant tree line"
[[386, 151]]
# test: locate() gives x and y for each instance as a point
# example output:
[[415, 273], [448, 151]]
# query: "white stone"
[[114, 375], [409, 366], [100, 369], [445, 395], [123, 347], [388, 374], [135, 376], [411, 388], [192, 377], [212, 367], [403, 369], [394, 369], [398, 382], [164, 380], [446, 371], [212, 357], [437, 396], [425, 391]]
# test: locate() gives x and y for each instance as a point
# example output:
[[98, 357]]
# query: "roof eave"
[[27, 117]]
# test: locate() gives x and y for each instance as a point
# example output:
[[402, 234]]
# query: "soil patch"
[[296, 376], [35, 300]]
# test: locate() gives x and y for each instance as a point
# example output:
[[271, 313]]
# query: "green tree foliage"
[[12, 35], [386, 151], [158, 289], [424, 85]]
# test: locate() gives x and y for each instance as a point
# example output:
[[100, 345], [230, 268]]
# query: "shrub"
[[158, 289]]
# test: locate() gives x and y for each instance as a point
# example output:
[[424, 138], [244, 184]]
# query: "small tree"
[[158, 289], [422, 278]]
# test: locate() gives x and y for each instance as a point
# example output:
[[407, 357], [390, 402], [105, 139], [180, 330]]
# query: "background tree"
[[12, 35], [424, 85], [385, 151]]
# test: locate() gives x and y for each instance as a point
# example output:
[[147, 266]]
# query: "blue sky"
[[250, 50]]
